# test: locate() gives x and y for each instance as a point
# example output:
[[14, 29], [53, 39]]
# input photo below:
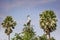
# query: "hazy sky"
[[19, 9]]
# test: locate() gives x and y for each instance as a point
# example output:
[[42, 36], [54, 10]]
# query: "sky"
[[19, 9]]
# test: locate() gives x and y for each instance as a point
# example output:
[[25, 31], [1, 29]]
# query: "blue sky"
[[19, 9]]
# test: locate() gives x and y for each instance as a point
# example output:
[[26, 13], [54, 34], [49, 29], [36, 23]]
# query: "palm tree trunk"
[[49, 36], [9, 37]]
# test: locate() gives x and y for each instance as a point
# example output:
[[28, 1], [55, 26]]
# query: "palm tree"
[[8, 24], [48, 22]]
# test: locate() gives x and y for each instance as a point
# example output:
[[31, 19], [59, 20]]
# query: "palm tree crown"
[[48, 20], [8, 24]]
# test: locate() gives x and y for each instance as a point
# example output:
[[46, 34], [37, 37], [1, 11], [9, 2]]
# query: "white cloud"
[[26, 3]]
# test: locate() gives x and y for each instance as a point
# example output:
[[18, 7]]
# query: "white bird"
[[29, 20]]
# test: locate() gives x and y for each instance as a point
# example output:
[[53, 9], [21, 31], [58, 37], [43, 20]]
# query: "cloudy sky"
[[19, 9]]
